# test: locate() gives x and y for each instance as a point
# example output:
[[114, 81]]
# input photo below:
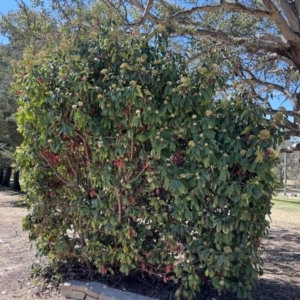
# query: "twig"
[[70, 165], [119, 203], [131, 148], [56, 173], [139, 173]]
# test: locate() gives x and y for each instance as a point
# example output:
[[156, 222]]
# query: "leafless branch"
[[140, 6], [291, 14], [147, 9], [241, 41], [119, 204], [236, 7], [282, 24], [278, 87], [144, 168]]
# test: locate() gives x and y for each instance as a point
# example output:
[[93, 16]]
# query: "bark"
[[294, 56], [7, 176], [1, 175], [16, 184]]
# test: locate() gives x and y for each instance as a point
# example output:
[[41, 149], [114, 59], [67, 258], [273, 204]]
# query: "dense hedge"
[[130, 165]]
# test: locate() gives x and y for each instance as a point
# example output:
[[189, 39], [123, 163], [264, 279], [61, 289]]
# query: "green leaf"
[[221, 260]]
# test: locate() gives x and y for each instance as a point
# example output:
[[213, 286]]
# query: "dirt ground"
[[16, 258], [282, 257]]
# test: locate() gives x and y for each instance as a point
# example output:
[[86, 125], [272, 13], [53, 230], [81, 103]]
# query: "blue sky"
[[7, 5]]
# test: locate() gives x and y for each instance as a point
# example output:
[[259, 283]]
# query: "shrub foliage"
[[132, 164]]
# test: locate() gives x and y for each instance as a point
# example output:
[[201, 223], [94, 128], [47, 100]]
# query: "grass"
[[284, 200], [286, 210]]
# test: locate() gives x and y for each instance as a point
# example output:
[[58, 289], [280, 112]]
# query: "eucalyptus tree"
[[20, 29], [256, 42], [9, 136], [23, 28]]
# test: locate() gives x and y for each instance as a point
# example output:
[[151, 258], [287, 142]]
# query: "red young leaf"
[[138, 258], [71, 253], [131, 233], [119, 163], [180, 246], [93, 193], [103, 270], [169, 267], [257, 243], [165, 279]]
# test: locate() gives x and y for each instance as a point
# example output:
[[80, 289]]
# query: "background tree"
[[21, 28], [9, 136], [257, 42], [292, 163]]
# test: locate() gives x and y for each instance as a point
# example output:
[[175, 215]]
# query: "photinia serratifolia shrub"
[[132, 164]]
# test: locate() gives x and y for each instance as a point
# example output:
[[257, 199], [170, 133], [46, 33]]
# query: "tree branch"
[[277, 87], [291, 126], [53, 169], [277, 56], [279, 39], [290, 14], [236, 7], [141, 172], [290, 113], [119, 204], [145, 11], [282, 24], [250, 42]]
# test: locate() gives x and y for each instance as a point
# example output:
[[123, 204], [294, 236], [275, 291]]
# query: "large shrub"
[[131, 166]]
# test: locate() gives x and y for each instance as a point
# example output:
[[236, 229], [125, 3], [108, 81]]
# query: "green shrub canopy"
[[131, 166]]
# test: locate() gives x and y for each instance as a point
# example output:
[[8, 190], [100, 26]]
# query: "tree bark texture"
[[16, 184], [7, 176]]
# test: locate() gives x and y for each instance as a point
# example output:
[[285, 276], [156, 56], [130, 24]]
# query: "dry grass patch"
[[286, 212]]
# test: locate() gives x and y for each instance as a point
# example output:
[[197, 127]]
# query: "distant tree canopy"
[[21, 29], [9, 136]]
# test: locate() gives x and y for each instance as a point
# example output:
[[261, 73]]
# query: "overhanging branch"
[[236, 7], [145, 11], [247, 42], [282, 24]]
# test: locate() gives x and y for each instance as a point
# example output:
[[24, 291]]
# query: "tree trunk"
[[1, 175], [293, 55], [16, 185], [7, 175]]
